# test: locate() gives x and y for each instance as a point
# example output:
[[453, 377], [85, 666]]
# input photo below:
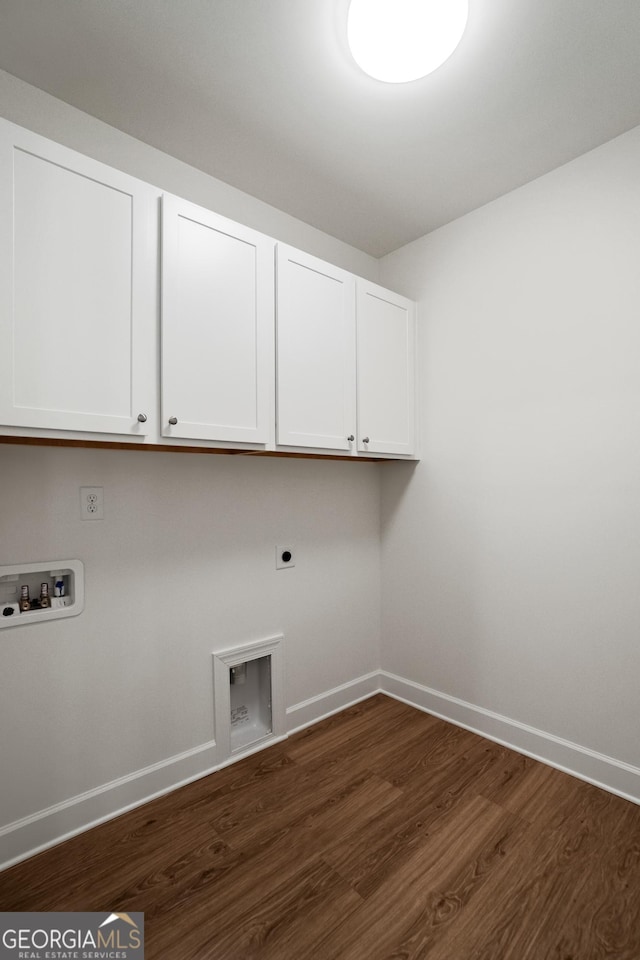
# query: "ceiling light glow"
[[402, 40]]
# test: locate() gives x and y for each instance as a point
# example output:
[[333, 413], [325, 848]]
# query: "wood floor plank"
[[380, 833], [453, 892], [545, 877], [438, 746], [389, 920], [337, 734], [470, 765], [603, 914], [269, 859], [288, 914], [366, 855]]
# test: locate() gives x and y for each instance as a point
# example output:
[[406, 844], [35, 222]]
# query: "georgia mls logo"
[[135, 938], [71, 936]]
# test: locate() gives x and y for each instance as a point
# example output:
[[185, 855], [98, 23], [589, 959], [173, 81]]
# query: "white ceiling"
[[263, 95]]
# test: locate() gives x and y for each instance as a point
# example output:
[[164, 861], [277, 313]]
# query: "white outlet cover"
[[281, 552], [92, 503]]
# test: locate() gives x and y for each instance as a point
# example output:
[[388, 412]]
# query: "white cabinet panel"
[[386, 391], [315, 353], [78, 256], [217, 326]]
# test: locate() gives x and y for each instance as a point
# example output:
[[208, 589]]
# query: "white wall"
[[182, 565], [511, 553]]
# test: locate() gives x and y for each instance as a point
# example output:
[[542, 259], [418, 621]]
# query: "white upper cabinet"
[[316, 353], [386, 357], [257, 345], [217, 327], [345, 361], [78, 258]]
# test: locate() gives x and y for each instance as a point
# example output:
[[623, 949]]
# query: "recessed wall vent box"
[[249, 699], [24, 599]]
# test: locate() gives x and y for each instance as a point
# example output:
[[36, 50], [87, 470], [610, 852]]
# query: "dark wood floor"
[[379, 833]]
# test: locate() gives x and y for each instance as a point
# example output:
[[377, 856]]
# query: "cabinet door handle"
[[173, 421], [351, 438], [142, 418], [365, 439]]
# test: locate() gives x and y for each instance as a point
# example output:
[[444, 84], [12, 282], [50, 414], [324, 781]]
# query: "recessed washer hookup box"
[[42, 590]]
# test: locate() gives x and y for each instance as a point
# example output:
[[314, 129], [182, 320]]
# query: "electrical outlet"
[[92, 503], [285, 557]]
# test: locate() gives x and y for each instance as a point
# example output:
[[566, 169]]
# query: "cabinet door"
[[386, 391], [316, 353], [217, 326], [78, 262]]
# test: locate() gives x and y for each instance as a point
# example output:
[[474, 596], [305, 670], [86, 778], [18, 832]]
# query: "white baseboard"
[[612, 775], [303, 714], [30, 835]]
